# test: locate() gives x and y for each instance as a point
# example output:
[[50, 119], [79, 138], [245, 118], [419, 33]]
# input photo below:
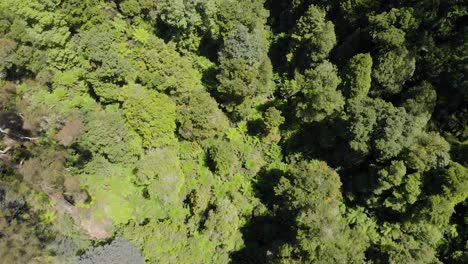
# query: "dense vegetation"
[[221, 131]]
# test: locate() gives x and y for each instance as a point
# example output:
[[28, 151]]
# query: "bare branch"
[[6, 132], [5, 150]]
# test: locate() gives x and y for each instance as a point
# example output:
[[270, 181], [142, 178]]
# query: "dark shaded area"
[[455, 250], [13, 124], [263, 234], [79, 156]]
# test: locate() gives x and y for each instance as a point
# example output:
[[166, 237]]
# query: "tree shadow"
[[256, 127], [81, 156], [265, 233], [12, 123]]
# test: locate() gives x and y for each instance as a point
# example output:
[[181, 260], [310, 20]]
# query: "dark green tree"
[[311, 193], [313, 37], [319, 96], [392, 69], [357, 76]]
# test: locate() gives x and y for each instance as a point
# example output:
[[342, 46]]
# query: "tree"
[[130, 7], [394, 188], [356, 11], [273, 119], [455, 183], [107, 134], [313, 37], [429, 151], [311, 193], [187, 22], [245, 70], [251, 14], [408, 243], [222, 227], [357, 76], [160, 67], [45, 171], [199, 117], [420, 99], [224, 158], [319, 95], [20, 236], [7, 55], [159, 169], [114, 198], [109, 69], [70, 132], [151, 115], [392, 69], [389, 29], [395, 130], [378, 128], [239, 81], [46, 28], [161, 241], [245, 45], [118, 251]]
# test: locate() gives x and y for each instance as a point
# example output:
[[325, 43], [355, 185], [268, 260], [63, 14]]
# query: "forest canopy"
[[220, 131]]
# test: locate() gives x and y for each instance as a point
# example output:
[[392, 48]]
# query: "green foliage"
[[199, 117], [159, 169], [230, 14], [222, 227], [6, 55], [130, 7], [160, 67], [246, 70], [394, 188], [113, 194], [238, 79], [320, 97], [357, 76], [43, 26], [429, 151], [114, 123], [355, 11], [389, 28], [225, 158], [245, 45], [392, 69], [455, 185], [312, 191], [273, 118], [409, 243], [151, 114], [377, 127], [308, 183], [107, 134], [211, 244], [20, 238], [160, 241], [420, 99], [313, 36]]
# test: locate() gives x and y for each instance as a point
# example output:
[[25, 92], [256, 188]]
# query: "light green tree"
[[151, 115]]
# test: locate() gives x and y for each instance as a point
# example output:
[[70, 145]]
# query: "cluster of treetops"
[[223, 131]]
